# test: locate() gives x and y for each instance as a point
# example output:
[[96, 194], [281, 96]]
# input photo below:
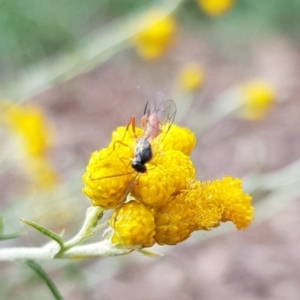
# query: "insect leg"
[[117, 209]]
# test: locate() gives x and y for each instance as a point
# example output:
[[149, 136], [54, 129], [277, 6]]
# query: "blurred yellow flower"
[[191, 77], [157, 32], [215, 8], [257, 98], [28, 123], [166, 204]]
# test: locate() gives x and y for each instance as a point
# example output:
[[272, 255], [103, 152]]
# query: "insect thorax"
[[142, 155]]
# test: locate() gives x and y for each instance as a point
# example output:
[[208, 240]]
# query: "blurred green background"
[[31, 30]]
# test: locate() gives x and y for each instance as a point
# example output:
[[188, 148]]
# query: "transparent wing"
[[164, 109], [158, 118]]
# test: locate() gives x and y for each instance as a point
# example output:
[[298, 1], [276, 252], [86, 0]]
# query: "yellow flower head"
[[156, 34], [166, 203], [222, 200], [152, 194], [215, 8], [177, 166], [133, 224], [175, 221], [109, 172], [30, 124], [106, 178], [202, 207], [177, 138], [191, 78], [258, 97]]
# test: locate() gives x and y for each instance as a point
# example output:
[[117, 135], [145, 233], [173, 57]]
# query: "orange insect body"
[[151, 125]]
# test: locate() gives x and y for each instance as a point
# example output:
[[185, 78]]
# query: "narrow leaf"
[[51, 234], [44, 276]]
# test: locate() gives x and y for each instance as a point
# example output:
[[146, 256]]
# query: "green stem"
[[89, 228], [97, 49], [11, 254], [100, 249]]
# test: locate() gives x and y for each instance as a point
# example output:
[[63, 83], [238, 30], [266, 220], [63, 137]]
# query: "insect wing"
[[165, 111]]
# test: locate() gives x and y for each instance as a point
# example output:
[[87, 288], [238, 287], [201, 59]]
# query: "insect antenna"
[[145, 109]]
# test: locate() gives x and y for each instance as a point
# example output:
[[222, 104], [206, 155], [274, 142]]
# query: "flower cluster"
[[29, 125], [157, 31], [166, 204]]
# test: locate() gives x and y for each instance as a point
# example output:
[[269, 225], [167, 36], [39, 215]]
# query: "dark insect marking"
[[142, 155]]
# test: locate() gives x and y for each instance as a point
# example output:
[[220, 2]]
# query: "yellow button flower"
[[156, 34], [177, 138], [124, 139], [178, 166], [202, 207], [166, 203], [257, 98], [175, 221], [215, 8], [109, 171], [155, 187], [30, 124], [221, 200], [107, 177], [191, 78], [133, 224]]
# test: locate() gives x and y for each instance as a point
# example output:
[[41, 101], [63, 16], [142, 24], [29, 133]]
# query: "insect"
[[132, 149], [156, 122], [157, 119]]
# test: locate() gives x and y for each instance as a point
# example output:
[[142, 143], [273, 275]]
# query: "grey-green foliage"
[[31, 30], [257, 15]]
